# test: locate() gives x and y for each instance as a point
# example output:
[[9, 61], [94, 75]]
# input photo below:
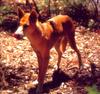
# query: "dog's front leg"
[[43, 64]]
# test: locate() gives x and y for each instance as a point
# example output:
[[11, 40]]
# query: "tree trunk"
[[96, 9], [36, 8], [49, 8]]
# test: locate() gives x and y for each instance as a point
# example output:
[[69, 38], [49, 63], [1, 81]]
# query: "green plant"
[[1, 19], [5, 8], [92, 90]]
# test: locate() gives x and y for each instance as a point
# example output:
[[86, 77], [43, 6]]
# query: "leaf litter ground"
[[19, 65]]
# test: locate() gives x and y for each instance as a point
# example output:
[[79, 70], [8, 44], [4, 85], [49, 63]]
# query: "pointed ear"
[[33, 16], [20, 12]]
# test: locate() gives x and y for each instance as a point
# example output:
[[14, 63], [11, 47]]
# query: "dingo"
[[56, 32]]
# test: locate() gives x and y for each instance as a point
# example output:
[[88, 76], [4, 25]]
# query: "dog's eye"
[[25, 26]]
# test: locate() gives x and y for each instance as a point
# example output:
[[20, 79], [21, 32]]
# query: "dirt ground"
[[19, 68]]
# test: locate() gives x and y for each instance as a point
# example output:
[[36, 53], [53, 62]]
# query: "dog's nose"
[[18, 36], [19, 33]]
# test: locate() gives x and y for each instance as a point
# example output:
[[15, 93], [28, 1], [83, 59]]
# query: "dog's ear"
[[20, 12], [33, 16]]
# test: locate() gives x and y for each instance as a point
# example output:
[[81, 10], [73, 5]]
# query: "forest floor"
[[19, 67]]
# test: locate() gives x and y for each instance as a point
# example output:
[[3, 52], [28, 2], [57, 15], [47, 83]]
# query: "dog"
[[55, 32]]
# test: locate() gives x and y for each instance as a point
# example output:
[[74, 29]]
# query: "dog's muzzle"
[[19, 33]]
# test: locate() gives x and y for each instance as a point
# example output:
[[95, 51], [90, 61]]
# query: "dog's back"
[[55, 24], [60, 20]]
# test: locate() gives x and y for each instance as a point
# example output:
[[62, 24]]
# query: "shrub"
[[78, 12], [8, 17]]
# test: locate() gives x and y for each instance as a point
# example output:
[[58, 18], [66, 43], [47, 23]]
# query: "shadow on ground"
[[86, 77], [57, 78], [82, 78]]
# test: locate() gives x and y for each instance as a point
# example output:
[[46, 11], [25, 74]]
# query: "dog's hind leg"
[[60, 48], [74, 47], [72, 43], [70, 33]]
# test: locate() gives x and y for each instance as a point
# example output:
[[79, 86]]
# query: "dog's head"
[[25, 21]]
